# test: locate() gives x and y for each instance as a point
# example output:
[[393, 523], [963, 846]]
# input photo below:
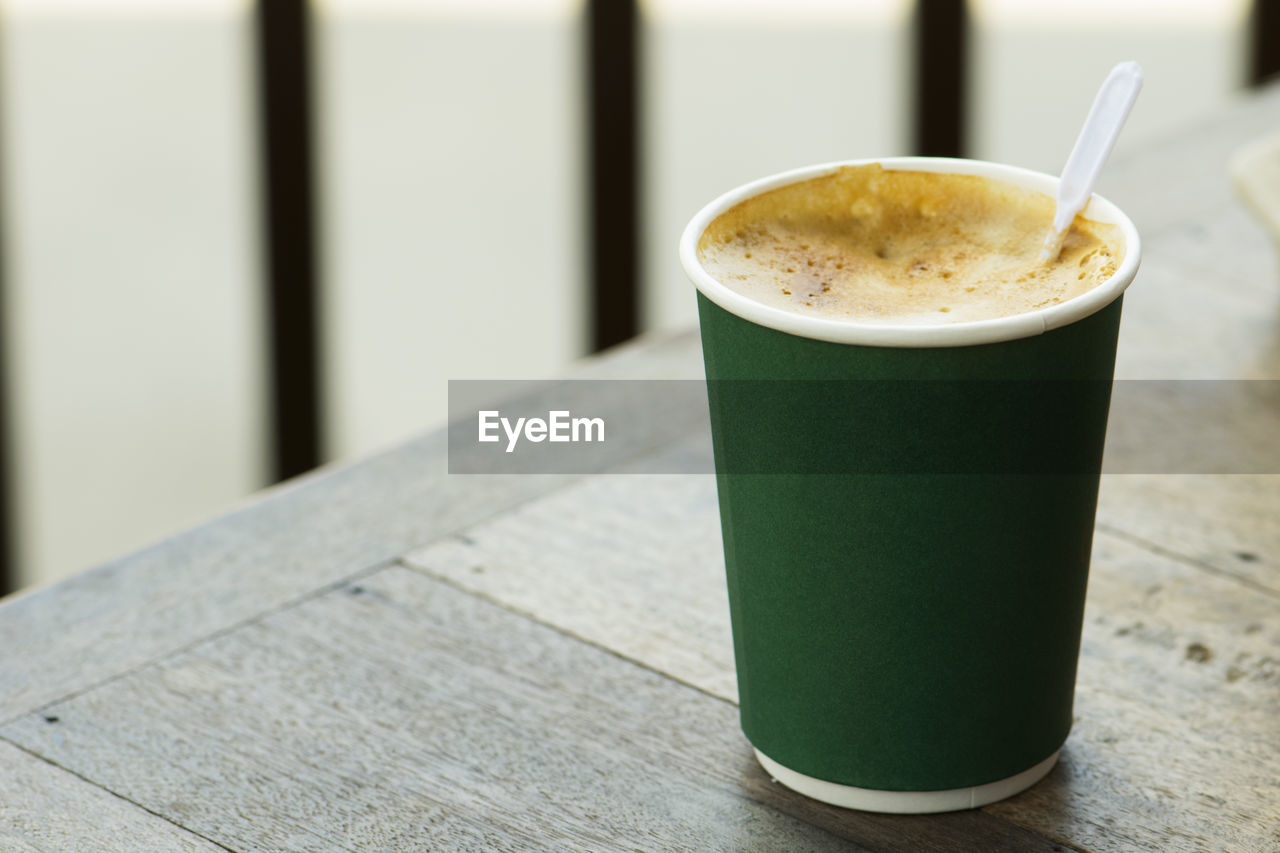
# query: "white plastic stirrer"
[[1093, 146]]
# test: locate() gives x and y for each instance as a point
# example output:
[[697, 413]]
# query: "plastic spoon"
[[1093, 146]]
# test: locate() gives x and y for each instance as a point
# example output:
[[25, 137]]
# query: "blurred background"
[[241, 239]]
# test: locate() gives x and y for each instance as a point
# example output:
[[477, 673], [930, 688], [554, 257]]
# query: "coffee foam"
[[867, 244]]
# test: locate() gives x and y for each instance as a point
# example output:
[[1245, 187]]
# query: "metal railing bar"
[[1264, 42], [941, 67], [8, 565], [612, 80], [288, 221]]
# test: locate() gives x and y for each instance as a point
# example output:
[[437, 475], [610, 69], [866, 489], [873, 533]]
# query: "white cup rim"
[[994, 330]]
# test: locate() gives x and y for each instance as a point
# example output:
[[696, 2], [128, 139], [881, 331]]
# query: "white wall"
[[1038, 65], [451, 195], [451, 162], [133, 309], [740, 90]]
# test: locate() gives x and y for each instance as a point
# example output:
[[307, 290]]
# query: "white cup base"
[[907, 802]]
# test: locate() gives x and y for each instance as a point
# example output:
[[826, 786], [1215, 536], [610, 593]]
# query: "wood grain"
[[269, 681], [633, 564], [405, 714], [1228, 525], [1176, 743], [1185, 175], [299, 538], [44, 809], [1177, 325], [286, 543], [1205, 304]]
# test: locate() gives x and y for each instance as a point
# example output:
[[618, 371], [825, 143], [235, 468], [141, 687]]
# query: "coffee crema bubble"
[[868, 244]]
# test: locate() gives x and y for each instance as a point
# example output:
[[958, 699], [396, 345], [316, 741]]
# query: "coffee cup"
[[906, 637]]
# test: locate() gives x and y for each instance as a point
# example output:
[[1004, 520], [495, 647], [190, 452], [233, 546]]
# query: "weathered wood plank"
[[1176, 743], [323, 528], [1224, 524], [1206, 303], [632, 563], [1174, 748], [297, 539], [1181, 324], [1180, 177], [1223, 246], [45, 809], [405, 714], [285, 543]]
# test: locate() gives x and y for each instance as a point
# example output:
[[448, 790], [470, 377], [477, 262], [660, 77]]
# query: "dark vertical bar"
[[613, 206], [1264, 41], [284, 101], [8, 566], [941, 48]]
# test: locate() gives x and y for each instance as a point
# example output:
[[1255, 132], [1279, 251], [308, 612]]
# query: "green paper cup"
[[907, 515]]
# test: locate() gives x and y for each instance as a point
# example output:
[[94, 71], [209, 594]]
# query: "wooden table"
[[381, 656]]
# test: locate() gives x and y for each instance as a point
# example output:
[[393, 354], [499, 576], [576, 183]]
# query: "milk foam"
[[867, 244]]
